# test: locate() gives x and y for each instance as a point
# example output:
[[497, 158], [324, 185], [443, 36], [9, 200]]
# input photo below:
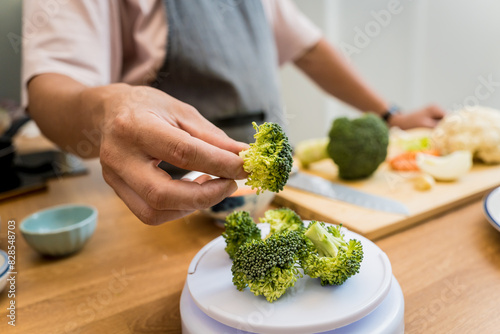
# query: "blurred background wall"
[[445, 52], [10, 49]]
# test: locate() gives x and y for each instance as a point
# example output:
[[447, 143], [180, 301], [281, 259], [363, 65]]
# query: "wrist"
[[98, 101], [390, 114]]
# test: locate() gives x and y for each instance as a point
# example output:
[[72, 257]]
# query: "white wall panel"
[[443, 51]]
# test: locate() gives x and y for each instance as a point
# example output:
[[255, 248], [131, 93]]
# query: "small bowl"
[[244, 199], [60, 230], [4, 269]]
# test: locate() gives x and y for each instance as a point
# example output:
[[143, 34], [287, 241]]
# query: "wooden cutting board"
[[395, 185]]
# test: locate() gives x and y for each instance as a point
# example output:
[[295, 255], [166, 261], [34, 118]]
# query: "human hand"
[[141, 127], [426, 117]]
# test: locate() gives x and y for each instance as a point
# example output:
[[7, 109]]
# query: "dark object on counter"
[[7, 153], [24, 173], [8, 176], [10, 181], [49, 164], [229, 203]]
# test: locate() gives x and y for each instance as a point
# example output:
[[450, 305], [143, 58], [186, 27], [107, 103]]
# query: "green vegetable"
[[311, 150], [269, 267], [240, 228], [329, 257], [282, 219], [415, 144], [358, 146], [269, 159]]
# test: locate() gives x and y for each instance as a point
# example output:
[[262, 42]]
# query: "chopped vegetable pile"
[[407, 161]]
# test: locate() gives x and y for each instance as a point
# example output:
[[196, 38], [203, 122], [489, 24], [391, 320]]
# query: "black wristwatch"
[[391, 111]]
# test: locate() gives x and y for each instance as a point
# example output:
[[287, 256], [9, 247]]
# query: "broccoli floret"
[[240, 228], [358, 146], [269, 267], [282, 219], [269, 159], [329, 257]]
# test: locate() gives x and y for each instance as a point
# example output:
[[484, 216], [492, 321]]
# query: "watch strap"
[[391, 111]]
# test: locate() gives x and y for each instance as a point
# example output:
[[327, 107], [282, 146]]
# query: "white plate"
[[307, 307], [492, 208]]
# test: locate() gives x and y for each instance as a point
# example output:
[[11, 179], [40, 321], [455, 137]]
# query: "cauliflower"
[[475, 129]]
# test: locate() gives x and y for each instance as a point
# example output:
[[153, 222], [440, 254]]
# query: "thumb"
[[436, 112], [191, 121]]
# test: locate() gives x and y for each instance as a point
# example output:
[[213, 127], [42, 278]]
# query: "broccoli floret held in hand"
[[282, 219], [269, 267], [269, 159], [358, 146], [240, 228], [329, 257]]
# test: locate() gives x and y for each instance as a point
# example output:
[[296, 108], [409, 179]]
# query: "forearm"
[[68, 112], [328, 68]]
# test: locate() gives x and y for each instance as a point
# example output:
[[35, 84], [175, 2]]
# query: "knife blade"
[[320, 186]]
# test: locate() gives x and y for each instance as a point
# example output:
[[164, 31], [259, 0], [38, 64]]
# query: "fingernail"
[[244, 146], [232, 188], [242, 174]]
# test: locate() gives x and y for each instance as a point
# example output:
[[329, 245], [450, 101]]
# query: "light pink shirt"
[[98, 42]]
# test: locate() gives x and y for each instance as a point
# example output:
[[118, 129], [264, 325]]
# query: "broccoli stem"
[[326, 244]]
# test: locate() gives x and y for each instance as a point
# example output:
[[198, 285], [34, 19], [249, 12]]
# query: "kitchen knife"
[[320, 186]]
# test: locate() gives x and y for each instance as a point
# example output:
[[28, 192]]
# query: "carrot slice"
[[407, 161]]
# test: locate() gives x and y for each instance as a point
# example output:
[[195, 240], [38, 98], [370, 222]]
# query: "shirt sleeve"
[[73, 38], [293, 31]]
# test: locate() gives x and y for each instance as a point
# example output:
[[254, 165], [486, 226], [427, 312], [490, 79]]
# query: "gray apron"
[[222, 59]]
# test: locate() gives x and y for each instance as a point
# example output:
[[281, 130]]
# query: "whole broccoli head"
[[329, 257], [282, 219], [358, 146], [269, 159], [269, 267], [240, 228]]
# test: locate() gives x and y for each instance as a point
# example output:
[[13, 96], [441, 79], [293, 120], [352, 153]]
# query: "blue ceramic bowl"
[[4, 269], [60, 230]]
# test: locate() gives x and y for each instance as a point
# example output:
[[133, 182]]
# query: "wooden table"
[[129, 276]]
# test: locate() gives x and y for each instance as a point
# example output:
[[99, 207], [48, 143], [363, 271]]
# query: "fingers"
[[429, 122], [200, 179], [436, 112], [159, 139], [161, 192], [137, 205], [431, 116], [427, 117], [198, 126]]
